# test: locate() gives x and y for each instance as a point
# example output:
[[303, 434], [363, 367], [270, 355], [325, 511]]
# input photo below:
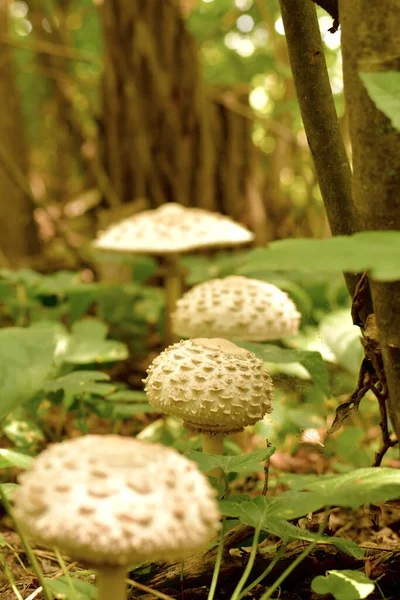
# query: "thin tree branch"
[[50, 48], [318, 112]]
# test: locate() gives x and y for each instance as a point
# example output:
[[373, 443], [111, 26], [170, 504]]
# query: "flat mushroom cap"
[[212, 384], [236, 308], [110, 500], [172, 228]]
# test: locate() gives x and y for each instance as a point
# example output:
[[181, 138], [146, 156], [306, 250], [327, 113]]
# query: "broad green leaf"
[[377, 252], [288, 506], [128, 396], [125, 410], [150, 305], [310, 339], [10, 458], [303, 417], [293, 504], [311, 361], [287, 532], [296, 481], [8, 489], [26, 360], [343, 338], [354, 489], [87, 344], [58, 283], [80, 299], [21, 429], [249, 512], [344, 585], [81, 382], [57, 331], [83, 589], [362, 486], [26, 277], [127, 403], [384, 89], [230, 464]]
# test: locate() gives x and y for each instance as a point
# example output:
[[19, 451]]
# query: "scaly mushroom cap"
[[212, 384], [236, 308], [110, 500], [172, 228]]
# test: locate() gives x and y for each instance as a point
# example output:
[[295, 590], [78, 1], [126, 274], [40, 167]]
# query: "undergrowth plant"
[[71, 372]]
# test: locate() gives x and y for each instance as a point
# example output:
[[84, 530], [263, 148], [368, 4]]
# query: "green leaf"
[[26, 277], [81, 382], [125, 410], [87, 344], [249, 512], [344, 585], [311, 361], [362, 486], [10, 458], [288, 532], [292, 505], [289, 505], [21, 429], [127, 403], [26, 360], [230, 464], [343, 338], [83, 589], [384, 89], [8, 489], [377, 252], [295, 481], [354, 489], [128, 396]]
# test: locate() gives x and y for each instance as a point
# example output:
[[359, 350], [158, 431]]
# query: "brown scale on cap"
[[122, 494], [227, 401], [236, 308]]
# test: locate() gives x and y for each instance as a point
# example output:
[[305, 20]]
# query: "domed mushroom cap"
[[236, 307], [172, 228], [110, 500], [212, 384]]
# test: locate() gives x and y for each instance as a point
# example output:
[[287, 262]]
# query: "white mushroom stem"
[[213, 444], [173, 291], [111, 583]]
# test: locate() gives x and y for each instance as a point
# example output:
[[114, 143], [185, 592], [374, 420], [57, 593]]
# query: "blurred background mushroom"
[[168, 231], [236, 307], [111, 501]]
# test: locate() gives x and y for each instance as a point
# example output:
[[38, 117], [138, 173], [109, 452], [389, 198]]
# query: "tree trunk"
[[371, 42], [165, 137], [18, 236], [57, 108]]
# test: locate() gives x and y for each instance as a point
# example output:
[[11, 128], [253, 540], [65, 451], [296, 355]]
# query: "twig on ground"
[[266, 472]]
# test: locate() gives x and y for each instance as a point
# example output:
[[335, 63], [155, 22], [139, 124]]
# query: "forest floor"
[[375, 529]]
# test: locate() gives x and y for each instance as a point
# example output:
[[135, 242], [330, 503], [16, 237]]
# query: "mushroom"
[[112, 501], [236, 308], [216, 387], [168, 231]]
